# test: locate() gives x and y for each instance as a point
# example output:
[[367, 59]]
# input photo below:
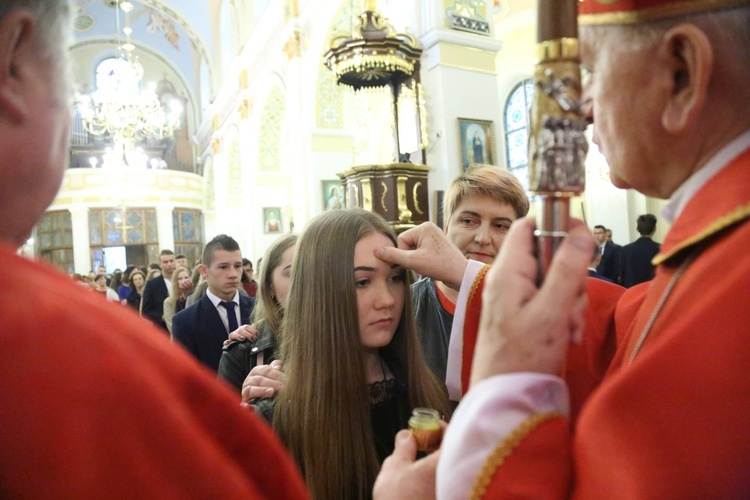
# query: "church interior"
[[249, 117]]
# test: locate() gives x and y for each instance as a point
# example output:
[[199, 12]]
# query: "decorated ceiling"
[[178, 33]]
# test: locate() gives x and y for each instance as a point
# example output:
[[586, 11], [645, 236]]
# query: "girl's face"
[[182, 280], [137, 280], [380, 292], [280, 277]]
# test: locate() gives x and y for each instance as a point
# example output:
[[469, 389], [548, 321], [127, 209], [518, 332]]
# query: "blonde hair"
[[267, 309], [176, 292], [326, 386], [485, 180]]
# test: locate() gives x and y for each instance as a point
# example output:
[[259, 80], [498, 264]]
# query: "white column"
[[164, 227], [459, 77], [79, 217], [298, 154]]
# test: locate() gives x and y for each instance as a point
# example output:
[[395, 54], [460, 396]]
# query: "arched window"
[[517, 116], [111, 76], [271, 121]]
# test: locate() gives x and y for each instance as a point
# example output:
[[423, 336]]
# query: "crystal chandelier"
[[124, 111]]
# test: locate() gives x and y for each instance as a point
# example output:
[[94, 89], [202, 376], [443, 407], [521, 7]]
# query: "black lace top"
[[390, 413]]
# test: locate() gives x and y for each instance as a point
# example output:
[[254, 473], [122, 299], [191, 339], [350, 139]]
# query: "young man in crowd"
[[158, 290], [108, 408], [204, 326], [635, 258], [181, 261], [609, 264]]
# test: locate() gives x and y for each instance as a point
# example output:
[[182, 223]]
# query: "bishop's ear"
[[16, 49], [690, 60]]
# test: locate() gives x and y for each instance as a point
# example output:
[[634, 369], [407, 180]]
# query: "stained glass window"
[[234, 178], [270, 132], [188, 233], [329, 101], [55, 235], [517, 116], [128, 226]]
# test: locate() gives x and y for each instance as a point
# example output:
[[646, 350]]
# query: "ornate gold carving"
[[367, 194], [374, 54], [558, 50], [404, 214], [382, 197], [389, 168], [557, 145], [244, 109], [415, 199]]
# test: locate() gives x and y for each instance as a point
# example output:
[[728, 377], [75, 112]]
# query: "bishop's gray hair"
[[53, 16], [53, 33]]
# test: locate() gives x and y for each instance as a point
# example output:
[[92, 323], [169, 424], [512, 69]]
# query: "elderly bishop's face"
[[36, 136], [621, 93]]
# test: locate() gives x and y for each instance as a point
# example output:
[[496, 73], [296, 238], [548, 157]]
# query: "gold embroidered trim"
[[660, 12], [662, 301], [476, 283], [504, 449], [721, 223]]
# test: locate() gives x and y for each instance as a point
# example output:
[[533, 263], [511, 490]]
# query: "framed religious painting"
[[476, 142], [333, 195], [272, 220]]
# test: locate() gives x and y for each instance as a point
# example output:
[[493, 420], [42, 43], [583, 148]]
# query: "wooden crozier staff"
[[557, 146]]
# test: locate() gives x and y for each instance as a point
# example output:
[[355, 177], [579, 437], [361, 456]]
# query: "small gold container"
[[425, 427]]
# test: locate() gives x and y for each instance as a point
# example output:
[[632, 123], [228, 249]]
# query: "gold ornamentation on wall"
[[469, 15], [416, 200], [367, 194], [244, 108], [404, 214], [382, 197]]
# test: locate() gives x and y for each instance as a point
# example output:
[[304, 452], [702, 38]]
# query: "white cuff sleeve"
[[490, 411], [456, 344]]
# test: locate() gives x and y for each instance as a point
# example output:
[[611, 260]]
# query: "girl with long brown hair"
[[353, 363], [239, 357]]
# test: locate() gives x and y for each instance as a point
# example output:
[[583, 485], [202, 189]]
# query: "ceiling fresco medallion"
[[84, 22]]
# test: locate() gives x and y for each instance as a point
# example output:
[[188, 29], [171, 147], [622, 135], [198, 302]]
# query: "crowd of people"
[[626, 265], [572, 387]]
